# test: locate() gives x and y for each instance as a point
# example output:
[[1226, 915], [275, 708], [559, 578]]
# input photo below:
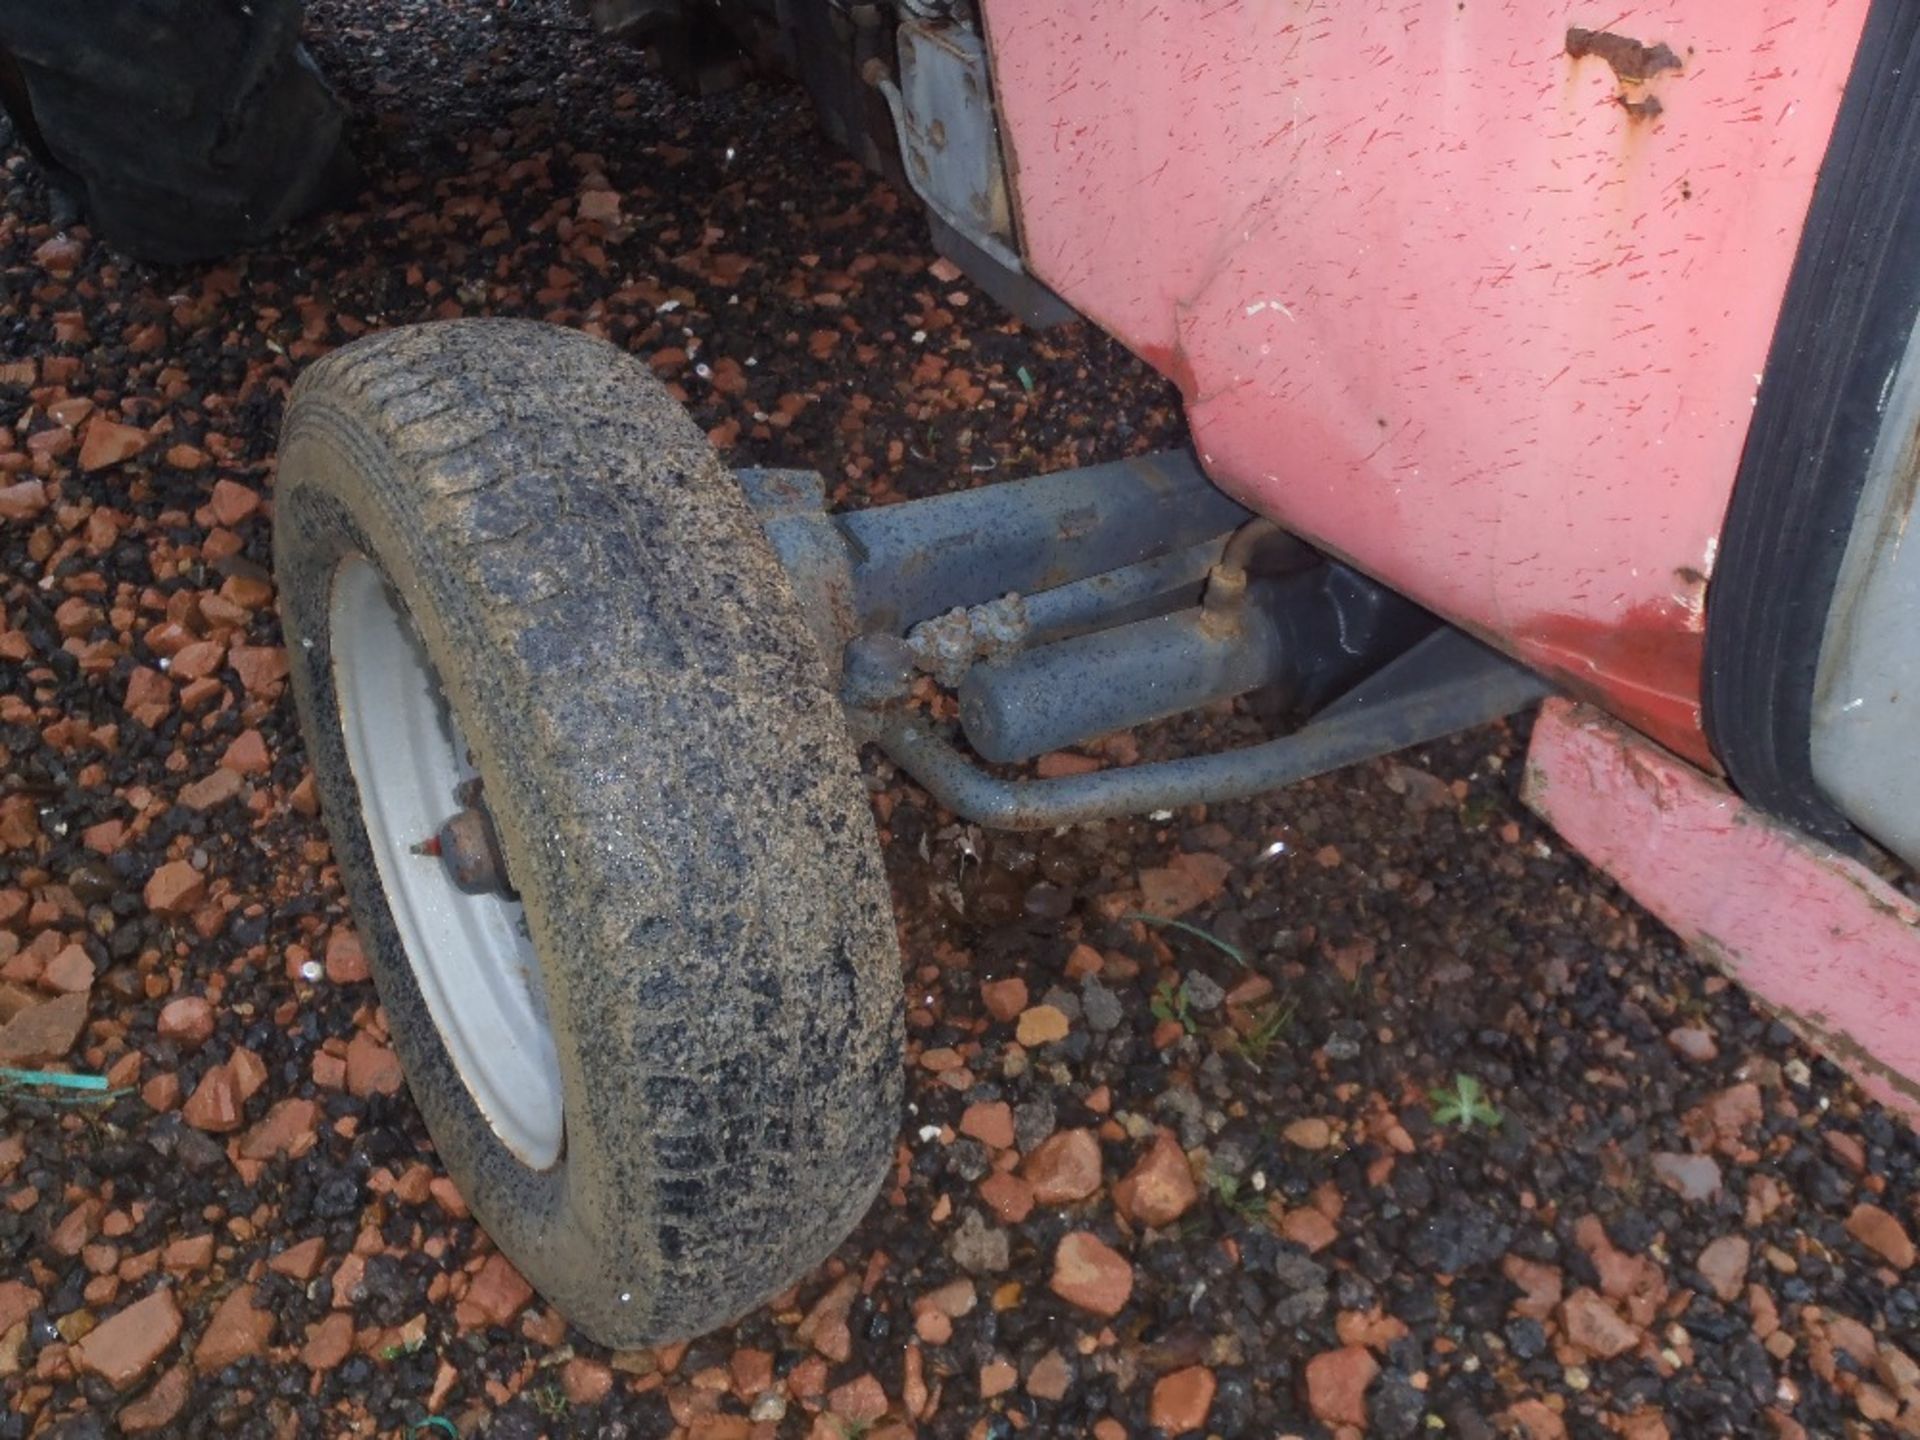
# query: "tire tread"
[[741, 953]]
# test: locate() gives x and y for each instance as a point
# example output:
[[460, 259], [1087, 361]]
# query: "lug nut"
[[470, 849]]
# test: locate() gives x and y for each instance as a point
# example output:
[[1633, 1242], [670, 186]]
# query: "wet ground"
[[1421, 1129]]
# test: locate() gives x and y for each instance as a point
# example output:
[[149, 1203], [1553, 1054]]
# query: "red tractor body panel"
[[1475, 296]]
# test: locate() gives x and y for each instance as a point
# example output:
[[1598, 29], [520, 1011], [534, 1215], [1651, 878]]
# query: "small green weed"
[[1245, 1202], [1463, 1104], [1233, 952], [1170, 1003], [1270, 1023]]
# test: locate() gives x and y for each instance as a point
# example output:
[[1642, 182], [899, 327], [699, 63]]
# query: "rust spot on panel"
[[1645, 667], [1634, 62]]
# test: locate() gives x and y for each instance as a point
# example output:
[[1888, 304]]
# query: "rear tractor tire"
[[186, 128]]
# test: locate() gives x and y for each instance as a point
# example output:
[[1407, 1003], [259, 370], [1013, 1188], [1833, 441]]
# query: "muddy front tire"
[[621, 660]]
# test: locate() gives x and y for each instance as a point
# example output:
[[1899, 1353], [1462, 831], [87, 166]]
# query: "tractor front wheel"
[[599, 816]]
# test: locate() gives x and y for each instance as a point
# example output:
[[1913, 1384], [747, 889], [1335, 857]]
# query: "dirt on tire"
[[676, 795]]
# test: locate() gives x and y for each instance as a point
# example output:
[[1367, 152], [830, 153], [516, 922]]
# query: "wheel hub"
[[459, 921], [469, 847]]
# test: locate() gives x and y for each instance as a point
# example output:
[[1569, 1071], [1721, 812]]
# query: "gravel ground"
[[1232, 1180]]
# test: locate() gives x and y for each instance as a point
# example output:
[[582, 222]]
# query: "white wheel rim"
[[471, 954]]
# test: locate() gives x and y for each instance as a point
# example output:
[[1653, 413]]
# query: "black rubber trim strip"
[[1850, 304]]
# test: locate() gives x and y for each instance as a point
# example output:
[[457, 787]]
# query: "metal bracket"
[[943, 116]]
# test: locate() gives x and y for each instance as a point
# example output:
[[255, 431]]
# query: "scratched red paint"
[[1435, 298], [1819, 938], [1645, 667]]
